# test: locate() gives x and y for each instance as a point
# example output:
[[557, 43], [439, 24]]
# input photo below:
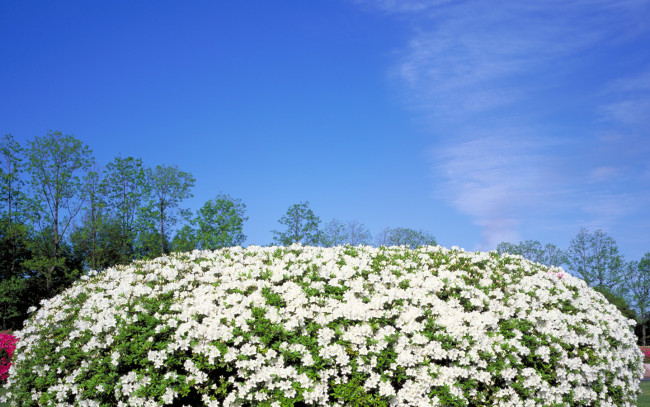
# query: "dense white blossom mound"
[[343, 326]]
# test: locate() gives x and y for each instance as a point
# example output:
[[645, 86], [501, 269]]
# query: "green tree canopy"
[[406, 237], [220, 223], [168, 187], [533, 250], [58, 165], [184, 240], [336, 233], [357, 233], [125, 187], [12, 195], [300, 226], [594, 257], [333, 234], [13, 207], [637, 288]]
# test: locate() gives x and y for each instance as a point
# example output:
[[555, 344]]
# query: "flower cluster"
[[646, 353], [7, 348], [342, 326]]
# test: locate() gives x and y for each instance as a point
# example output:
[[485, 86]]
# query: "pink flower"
[[646, 352], [7, 348]]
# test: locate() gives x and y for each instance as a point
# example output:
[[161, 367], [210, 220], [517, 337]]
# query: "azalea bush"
[[342, 326], [7, 347], [646, 353]]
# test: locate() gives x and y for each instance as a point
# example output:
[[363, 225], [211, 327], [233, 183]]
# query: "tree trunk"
[[94, 236], [162, 230], [124, 222], [57, 241]]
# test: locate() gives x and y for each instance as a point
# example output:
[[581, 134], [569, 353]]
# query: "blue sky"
[[479, 122]]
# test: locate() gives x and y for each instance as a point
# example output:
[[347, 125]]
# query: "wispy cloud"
[[405, 6], [499, 179], [477, 56], [626, 101], [515, 70]]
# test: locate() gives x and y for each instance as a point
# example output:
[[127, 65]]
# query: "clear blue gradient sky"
[[479, 122]]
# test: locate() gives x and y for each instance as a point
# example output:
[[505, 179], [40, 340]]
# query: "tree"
[[185, 240], [169, 186], [93, 219], [147, 239], [14, 251], [553, 256], [47, 276], [637, 282], [333, 234], [533, 250], [58, 165], [405, 237], [11, 168], [337, 233], [357, 233], [530, 249], [507, 247], [97, 241], [382, 237], [301, 226], [220, 223], [13, 297], [124, 187], [13, 200], [595, 258]]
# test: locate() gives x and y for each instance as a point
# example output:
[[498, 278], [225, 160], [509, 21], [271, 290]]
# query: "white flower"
[[453, 312]]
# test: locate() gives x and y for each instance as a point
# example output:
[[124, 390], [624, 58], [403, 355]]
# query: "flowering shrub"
[[343, 326], [7, 347], [646, 354]]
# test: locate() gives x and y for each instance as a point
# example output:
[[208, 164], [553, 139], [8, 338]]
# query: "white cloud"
[[482, 72], [633, 112], [475, 56], [404, 6], [605, 173], [499, 179], [626, 101]]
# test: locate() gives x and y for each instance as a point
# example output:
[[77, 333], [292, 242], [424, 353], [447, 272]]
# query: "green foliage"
[[337, 233], [185, 240], [533, 250], [333, 234], [147, 244], [168, 186], [14, 251], [14, 234], [220, 223], [13, 301], [58, 166], [97, 242], [12, 195], [357, 233], [301, 226], [594, 257], [637, 288], [405, 237], [124, 188], [87, 239]]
